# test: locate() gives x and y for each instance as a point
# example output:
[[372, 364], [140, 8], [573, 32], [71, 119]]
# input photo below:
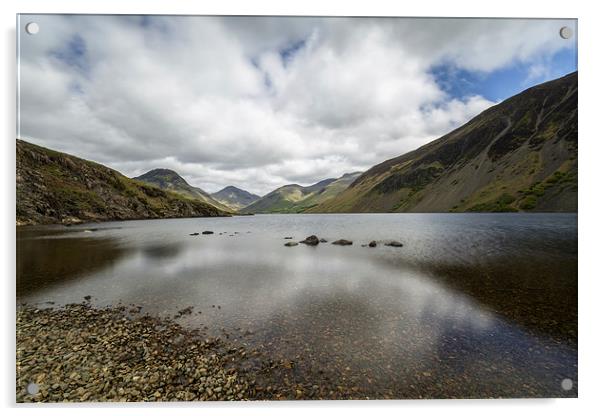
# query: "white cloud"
[[212, 98]]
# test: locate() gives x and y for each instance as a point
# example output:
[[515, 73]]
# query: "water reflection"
[[465, 307], [46, 262], [161, 252]]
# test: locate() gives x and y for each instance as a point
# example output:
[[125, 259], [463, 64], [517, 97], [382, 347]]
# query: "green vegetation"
[[234, 198], [295, 199], [169, 180], [531, 195], [501, 204], [528, 203], [54, 187]]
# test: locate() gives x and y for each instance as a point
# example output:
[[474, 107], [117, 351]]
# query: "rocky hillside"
[[520, 155], [234, 198], [296, 198], [169, 180], [54, 187]]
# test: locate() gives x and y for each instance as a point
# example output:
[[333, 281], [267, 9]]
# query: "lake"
[[472, 305]]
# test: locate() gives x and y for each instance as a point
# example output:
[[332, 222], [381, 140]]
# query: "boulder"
[[323, 240], [312, 240], [394, 243], [342, 242], [207, 232], [194, 234], [288, 238], [291, 244], [372, 244]]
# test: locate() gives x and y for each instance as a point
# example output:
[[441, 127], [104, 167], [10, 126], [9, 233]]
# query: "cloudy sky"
[[262, 102]]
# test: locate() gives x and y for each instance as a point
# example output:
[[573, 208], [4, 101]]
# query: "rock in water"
[[312, 240], [342, 242], [394, 244], [323, 240], [372, 244], [194, 234], [207, 232], [288, 238], [291, 244]]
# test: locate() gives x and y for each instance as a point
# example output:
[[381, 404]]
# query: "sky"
[[260, 102]]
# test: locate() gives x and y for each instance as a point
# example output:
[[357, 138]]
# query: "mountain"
[[297, 198], [169, 180], [234, 198], [519, 155], [54, 187]]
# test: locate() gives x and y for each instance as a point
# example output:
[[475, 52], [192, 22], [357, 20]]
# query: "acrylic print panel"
[[266, 208]]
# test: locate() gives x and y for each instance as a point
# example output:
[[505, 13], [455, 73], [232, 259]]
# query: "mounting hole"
[[32, 28], [33, 389], [567, 384], [566, 32]]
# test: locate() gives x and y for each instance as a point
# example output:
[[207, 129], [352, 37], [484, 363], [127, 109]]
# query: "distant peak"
[[346, 175], [161, 171], [161, 175]]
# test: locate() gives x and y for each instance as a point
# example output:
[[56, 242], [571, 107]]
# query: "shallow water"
[[473, 305]]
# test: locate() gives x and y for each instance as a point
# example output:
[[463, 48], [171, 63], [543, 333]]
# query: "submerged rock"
[[342, 242], [130, 359], [323, 240], [291, 244], [185, 311], [312, 240], [207, 232], [194, 234], [394, 243], [288, 238], [372, 244]]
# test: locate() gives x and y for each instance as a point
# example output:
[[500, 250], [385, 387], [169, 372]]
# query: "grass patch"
[[501, 204]]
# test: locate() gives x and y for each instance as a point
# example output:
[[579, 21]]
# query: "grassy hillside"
[[296, 198], [520, 155], [169, 180], [234, 198], [54, 187]]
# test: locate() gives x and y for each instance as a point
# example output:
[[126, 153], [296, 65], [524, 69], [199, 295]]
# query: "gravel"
[[79, 353]]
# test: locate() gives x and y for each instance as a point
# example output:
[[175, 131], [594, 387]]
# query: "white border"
[[590, 189]]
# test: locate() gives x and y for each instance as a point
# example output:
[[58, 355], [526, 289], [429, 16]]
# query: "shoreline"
[[24, 224], [79, 354]]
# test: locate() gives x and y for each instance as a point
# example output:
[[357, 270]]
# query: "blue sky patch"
[[287, 54], [74, 54], [506, 82]]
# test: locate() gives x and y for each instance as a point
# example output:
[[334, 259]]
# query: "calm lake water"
[[473, 305]]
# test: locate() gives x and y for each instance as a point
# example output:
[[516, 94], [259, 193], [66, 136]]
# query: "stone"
[[291, 244], [312, 240], [207, 232], [342, 242], [194, 234], [394, 243], [372, 243]]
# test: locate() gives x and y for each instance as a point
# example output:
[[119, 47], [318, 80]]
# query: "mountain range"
[[296, 198], [519, 155]]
